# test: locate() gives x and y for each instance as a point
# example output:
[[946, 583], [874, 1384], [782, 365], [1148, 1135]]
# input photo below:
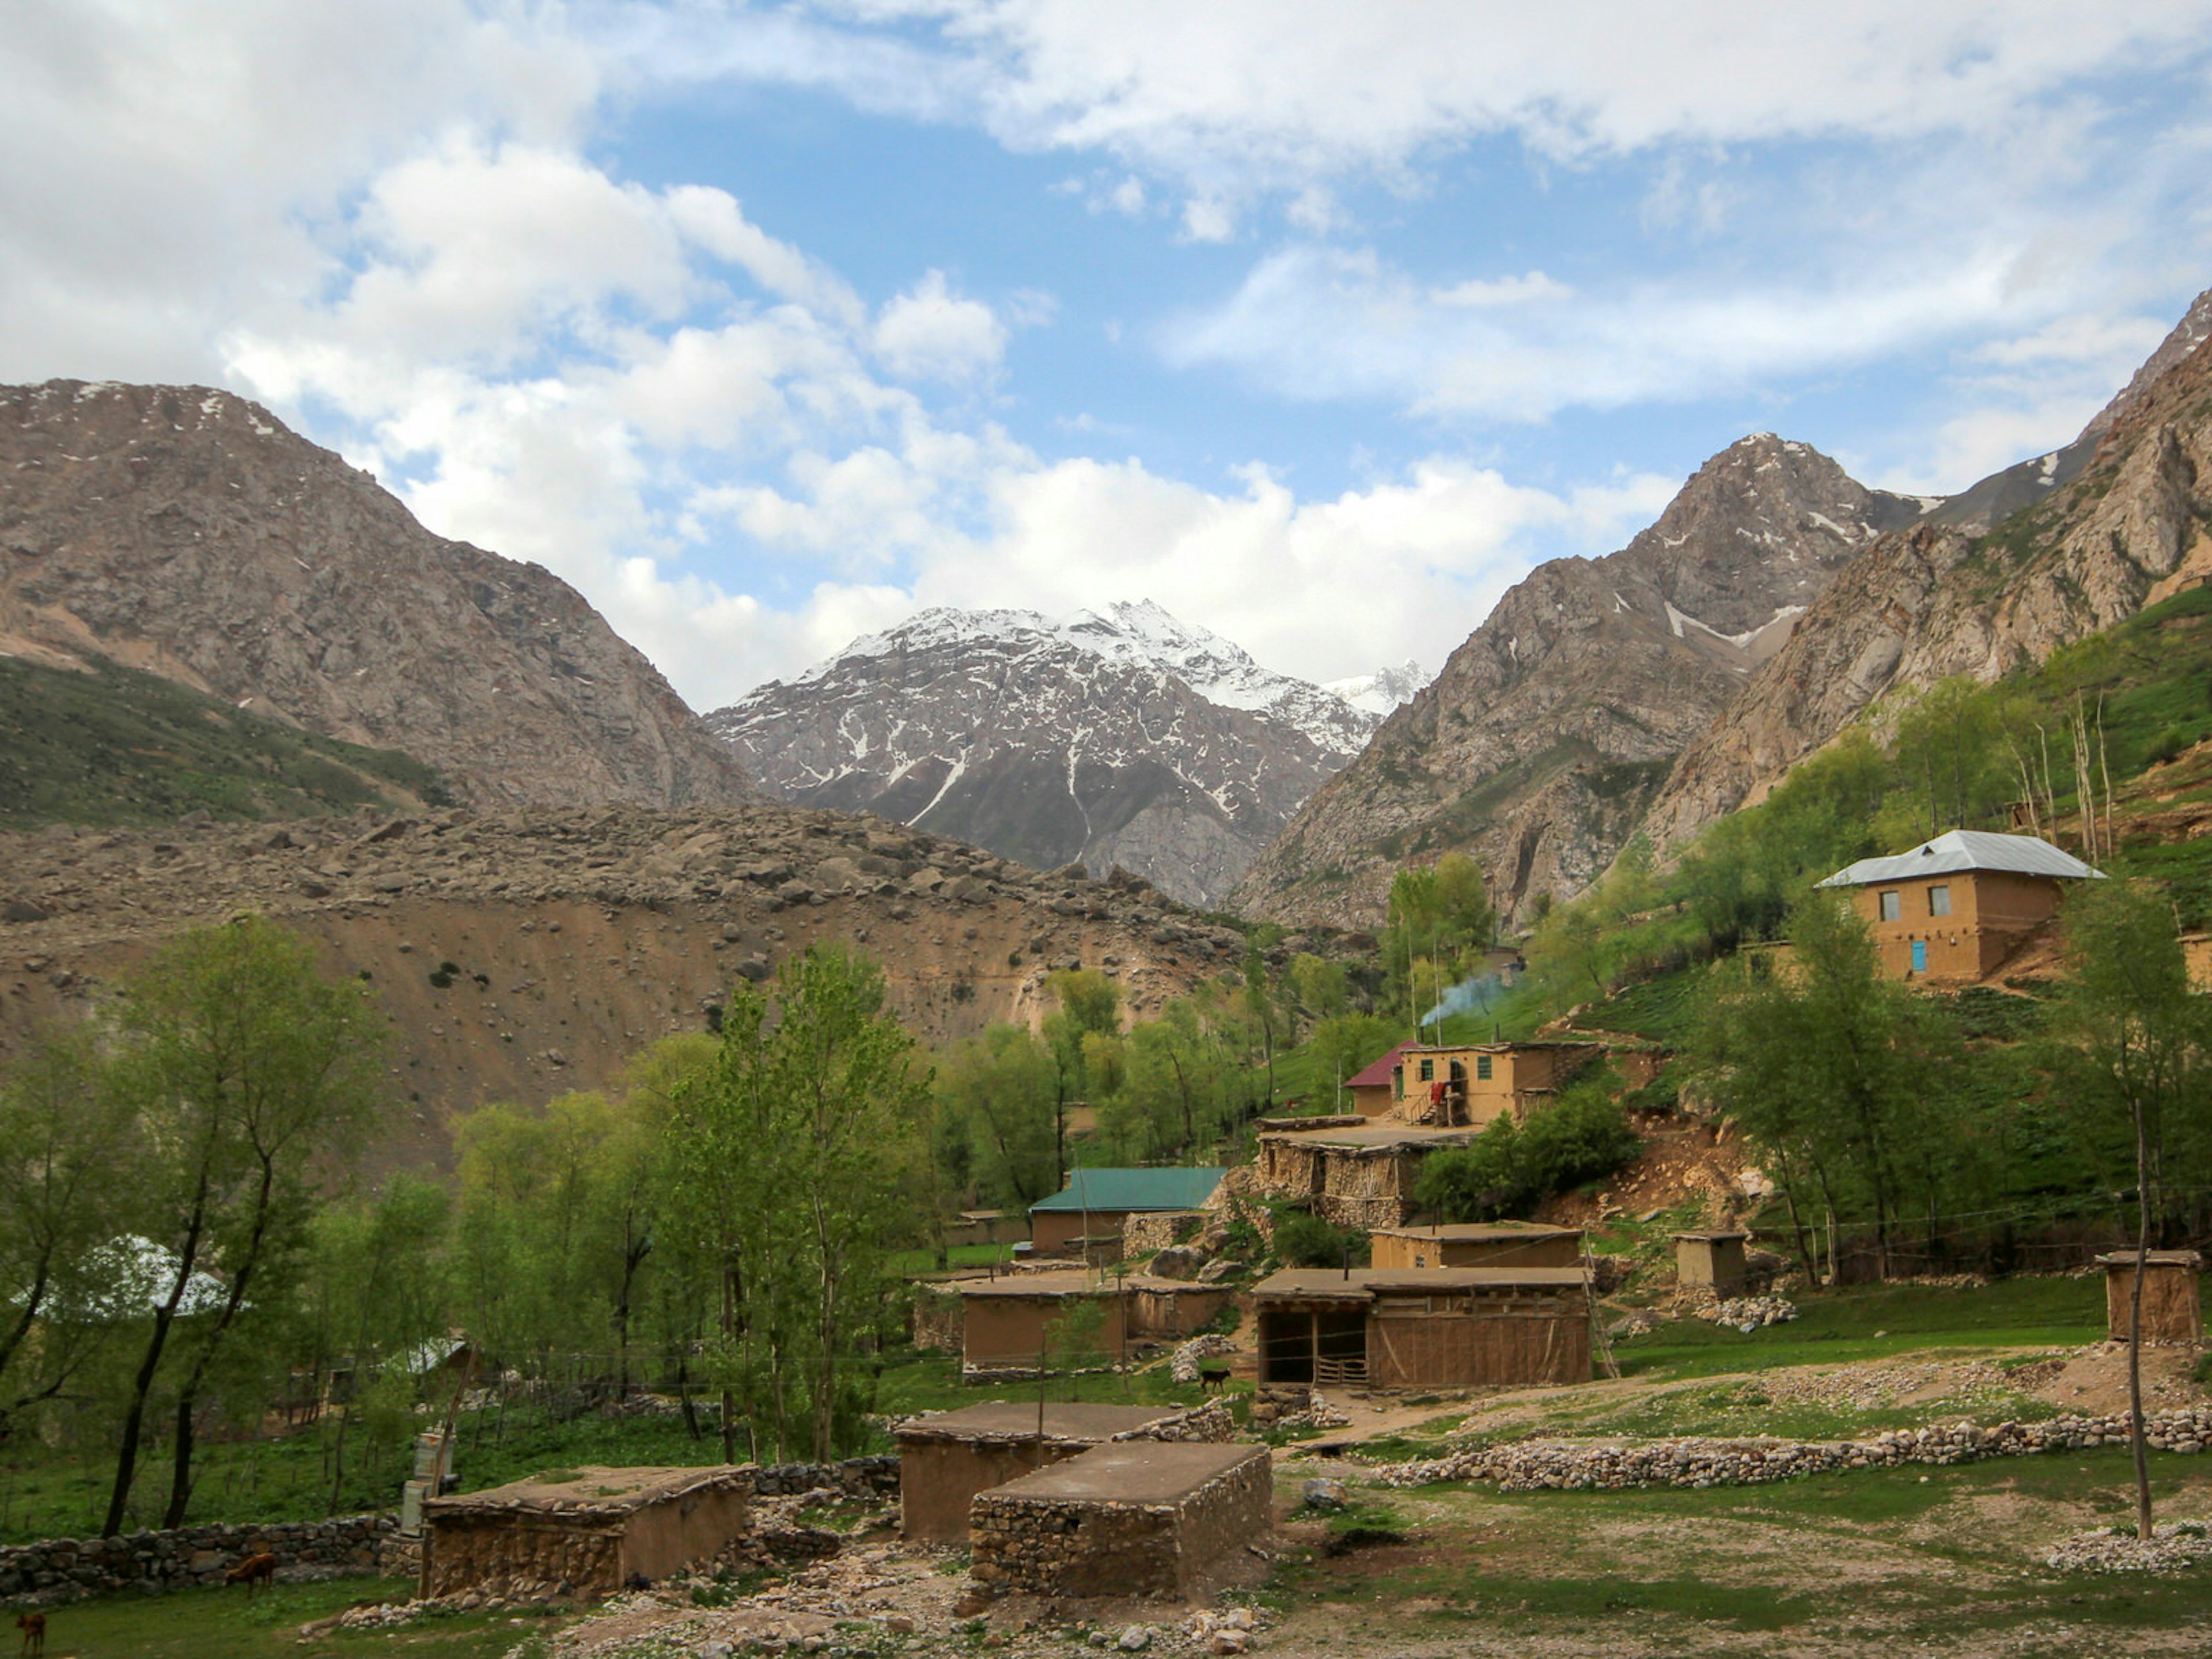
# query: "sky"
[[1318, 324]]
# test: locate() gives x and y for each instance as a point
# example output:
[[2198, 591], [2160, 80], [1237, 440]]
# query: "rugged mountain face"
[[1539, 745], [1122, 738], [186, 531], [576, 937], [1938, 599]]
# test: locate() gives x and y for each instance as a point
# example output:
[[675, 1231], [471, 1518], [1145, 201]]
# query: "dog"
[[34, 1626], [1211, 1377], [252, 1572]]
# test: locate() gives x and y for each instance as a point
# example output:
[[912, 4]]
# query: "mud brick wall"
[[65, 1569], [1100, 1547]]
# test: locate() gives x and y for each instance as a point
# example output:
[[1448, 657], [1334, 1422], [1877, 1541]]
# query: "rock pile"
[[1748, 1313], [1183, 1367], [2175, 1544], [1562, 1466]]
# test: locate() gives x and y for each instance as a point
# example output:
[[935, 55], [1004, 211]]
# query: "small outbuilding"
[[592, 1532], [1711, 1260], [1953, 909], [1008, 1323], [1425, 1328], [2173, 1308], [1095, 1204], [1476, 1244], [947, 1457], [1372, 1088], [1132, 1517]]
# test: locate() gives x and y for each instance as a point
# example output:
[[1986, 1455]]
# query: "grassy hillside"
[[115, 746]]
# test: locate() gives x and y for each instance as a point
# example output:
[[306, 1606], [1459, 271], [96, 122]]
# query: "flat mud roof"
[[1132, 1471], [1014, 1420]]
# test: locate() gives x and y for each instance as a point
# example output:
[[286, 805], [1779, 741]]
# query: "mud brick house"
[[1372, 1088], [1128, 1518], [1476, 1244], [947, 1457], [1475, 1084], [1710, 1261], [1427, 1327], [1095, 1204], [1954, 909], [592, 1532], [2172, 1309]]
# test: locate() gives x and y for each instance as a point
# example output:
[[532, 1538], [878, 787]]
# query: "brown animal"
[[1211, 1377], [34, 1626], [255, 1570]]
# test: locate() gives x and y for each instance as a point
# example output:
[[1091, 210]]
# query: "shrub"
[[1307, 1241], [1513, 1167]]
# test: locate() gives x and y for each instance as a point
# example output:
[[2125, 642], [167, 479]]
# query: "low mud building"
[[1351, 1171], [1011, 1324], [1090, 1211], [2173, 1303], [947, 1457], [586, 1536], [1711, 1259], [1128, 1518], [1476, 1244], [1474, 1084], [1425, 1328]]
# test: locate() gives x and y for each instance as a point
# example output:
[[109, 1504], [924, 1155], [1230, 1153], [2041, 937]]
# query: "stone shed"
[[1476, 1244], [947, 1457], [1129, 1518], [2172, 1306], [1425, 1328], [586, 1535], [1348, 1171], [1711, 1260]]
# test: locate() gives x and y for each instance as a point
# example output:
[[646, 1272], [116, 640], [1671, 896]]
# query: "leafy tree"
[[998, 1093], [1512, 1166], [1344, 1043], [793, 1160], [1439, 919], [1845, 1078], [1307, 1241], [2132, 1053], [1178, 1080], [1088, 1005], [73, 1166], [253, 1075]]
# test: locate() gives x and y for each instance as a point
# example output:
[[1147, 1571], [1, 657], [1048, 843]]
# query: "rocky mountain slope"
[[185, 532], [1123, 739], [524, 954], [1937, 600], [1543, 740]]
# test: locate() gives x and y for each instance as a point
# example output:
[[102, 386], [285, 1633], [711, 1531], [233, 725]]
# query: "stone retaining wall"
[[856, 1476], [1540, 1465], [67, 1569], [1144, 1231]]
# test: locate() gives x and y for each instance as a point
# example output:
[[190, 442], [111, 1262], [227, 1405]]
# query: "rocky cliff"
[[1122, 737], [1540, 745], [187, 533], [1938, 599], [520, 955]]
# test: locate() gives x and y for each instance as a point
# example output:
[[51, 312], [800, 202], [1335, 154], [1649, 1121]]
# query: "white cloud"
[[932, 334]]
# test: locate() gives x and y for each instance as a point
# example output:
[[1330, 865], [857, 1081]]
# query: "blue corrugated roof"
[[1134, 1189]]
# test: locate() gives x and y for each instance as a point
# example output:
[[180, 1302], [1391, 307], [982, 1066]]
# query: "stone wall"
[[1540, 1466], [856, 1477], [937, 1320], [66, 1568], [1144, 1231], [1099, 1547]]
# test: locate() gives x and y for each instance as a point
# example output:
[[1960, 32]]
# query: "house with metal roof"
[[1095, 1202], [1954, 909], [1371, 1087]]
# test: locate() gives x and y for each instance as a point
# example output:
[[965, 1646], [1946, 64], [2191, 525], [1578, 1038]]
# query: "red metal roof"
[[1375, 1076]]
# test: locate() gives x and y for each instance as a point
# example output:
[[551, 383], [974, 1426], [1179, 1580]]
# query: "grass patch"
[[209, 1623]]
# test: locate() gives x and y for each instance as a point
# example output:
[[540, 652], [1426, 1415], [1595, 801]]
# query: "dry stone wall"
[[67, 1569], [1556, 1466]]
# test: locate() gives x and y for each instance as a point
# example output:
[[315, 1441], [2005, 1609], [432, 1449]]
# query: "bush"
[[1307, 1241], [1513, 1167], [2167, 744]]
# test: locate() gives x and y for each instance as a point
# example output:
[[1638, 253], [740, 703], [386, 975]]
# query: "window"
[[1428, 1071], [1892, 906], [1482, 1067], [1939, 901]]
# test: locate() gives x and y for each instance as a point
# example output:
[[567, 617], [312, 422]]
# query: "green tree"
[[2131, 1045], [793, 1160], [1439, 920], [1000, 1090], [1088, 1004], [1342, 1044], [254, 1076]]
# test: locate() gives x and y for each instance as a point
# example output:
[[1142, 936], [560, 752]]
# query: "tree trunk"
[[180, 1463], [142, 1384], [2135, 1436]]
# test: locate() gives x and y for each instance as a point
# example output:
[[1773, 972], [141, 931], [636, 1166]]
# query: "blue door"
[[1920, 956]]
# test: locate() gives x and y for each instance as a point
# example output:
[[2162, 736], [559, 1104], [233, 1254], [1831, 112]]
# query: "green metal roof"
[[1134, 1189]]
